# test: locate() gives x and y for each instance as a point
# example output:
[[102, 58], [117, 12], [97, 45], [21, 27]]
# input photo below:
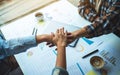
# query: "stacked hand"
[[60, 40], [71, 36], [60, 37]]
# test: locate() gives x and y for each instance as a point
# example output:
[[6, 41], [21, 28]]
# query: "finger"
[[69, 41], [62, 30], [70, 36], [66, 33], [56, 49], [57, 31], [52, 34], [51, 45], [47, 43], [69, 33]]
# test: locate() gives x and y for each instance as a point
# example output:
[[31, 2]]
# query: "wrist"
[[81, 33], [42, 38], [61, 48], [61, 45], [46, 38]]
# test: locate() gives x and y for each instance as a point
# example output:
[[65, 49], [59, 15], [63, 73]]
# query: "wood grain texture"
[[18, 8]]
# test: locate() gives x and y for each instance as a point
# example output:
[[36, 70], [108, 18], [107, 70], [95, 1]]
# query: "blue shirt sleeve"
[[59, 71], [14, 46]]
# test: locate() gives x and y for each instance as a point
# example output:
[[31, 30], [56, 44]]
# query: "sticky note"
[[91, 73]]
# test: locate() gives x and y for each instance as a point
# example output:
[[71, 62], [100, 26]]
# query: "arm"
[[43, 38], [107, 23], [14, 46], [60, 40], [61, 57]]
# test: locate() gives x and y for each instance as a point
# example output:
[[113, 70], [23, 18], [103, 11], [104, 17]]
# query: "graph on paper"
[[42, 54]]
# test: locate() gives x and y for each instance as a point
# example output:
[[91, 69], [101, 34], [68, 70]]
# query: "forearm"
[[81, 33], [61, 57], [43, 38], [104, 24], [15, 46]]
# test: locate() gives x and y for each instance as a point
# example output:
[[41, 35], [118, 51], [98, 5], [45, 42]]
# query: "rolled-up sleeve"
[[87, 11], [59, 71], [15, 46], [107, 21]]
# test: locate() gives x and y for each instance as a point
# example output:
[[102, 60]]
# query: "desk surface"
[[40, 60]]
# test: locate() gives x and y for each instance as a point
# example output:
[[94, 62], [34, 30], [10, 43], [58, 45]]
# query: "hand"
[[60, 40], [71, 36], [60, 37], [76, 34], [51, 44]]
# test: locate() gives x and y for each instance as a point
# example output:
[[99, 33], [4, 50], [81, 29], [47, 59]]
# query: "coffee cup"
[[97, 62], [39, 16]]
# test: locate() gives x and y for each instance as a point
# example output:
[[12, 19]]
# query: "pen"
[[90, 53], [33, 31], [36, 32]]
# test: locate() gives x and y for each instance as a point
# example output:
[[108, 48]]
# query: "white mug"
[[39, 16]]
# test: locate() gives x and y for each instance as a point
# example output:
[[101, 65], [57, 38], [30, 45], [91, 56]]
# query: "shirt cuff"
[[30, 40], [90, 29], [59, 71], [15, 46]]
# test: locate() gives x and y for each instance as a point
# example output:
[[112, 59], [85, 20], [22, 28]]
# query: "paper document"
[[52, 26]]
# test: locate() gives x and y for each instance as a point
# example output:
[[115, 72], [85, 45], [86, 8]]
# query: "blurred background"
[[11, 10]]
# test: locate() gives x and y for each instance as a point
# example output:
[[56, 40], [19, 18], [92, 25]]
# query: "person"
[[15, 46], [60, 40], [104, 16], [18, 45]]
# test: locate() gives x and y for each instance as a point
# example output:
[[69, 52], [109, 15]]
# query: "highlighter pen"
[[90, 53]]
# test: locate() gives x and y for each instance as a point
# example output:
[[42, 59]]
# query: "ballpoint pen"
[[90, 53]]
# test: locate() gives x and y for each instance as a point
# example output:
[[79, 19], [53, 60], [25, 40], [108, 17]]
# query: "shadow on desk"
[[117, 32], [9, 66]]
